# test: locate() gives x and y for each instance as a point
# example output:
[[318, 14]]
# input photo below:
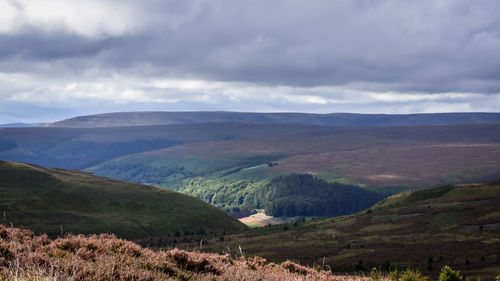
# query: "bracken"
[[28, 257]]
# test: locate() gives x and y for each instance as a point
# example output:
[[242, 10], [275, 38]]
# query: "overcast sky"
[[61, 58]]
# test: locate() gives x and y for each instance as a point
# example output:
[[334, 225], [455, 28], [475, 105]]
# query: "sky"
[[63, 58]]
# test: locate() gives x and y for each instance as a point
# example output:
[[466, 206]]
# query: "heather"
[[26, 256]]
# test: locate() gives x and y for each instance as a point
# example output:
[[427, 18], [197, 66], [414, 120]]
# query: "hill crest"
[[153, 118]]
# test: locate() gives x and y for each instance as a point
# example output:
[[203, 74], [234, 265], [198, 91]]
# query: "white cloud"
[[447, 107], [92, 18], [8, 14], [398, 97], [120, 90]]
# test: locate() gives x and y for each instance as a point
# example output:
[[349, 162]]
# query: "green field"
[[56, 201]]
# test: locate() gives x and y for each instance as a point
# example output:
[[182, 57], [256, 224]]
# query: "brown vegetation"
[[25, 256]]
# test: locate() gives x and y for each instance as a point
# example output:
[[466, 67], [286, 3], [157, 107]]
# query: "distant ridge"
[[151, 118], [21, 125]]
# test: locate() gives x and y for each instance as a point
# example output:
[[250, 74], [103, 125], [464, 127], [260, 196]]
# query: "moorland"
[[351, 191], [247, 155]]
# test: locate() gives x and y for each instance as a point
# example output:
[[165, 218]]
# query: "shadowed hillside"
[[56, 201], [371, 156], [80, 148], [393, 158]]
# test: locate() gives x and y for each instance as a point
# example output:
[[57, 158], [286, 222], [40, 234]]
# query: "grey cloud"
[[47, 46], [406, 46]]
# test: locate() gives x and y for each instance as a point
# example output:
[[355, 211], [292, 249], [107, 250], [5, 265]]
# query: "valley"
[[258, 140], [367, 156], [348, 196], [205, 159]]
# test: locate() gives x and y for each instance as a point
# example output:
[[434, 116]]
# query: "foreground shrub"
[[394, 275], [406, 275], [296, 268], [25, 256], [448, 274], [375, 275]]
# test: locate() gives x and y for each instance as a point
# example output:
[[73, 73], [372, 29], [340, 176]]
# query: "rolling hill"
[[80, 148], [454, 225], [332, 119], [56, 201], [384, 159], [369, 156], [190, 157]]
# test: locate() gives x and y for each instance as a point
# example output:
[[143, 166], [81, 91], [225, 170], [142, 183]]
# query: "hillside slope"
[[397, 157], [454, 225], [56, 201], [333, 119], [80, 148], [435, 153]]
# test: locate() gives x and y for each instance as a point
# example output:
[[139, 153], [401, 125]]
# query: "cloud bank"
[[78, 57]]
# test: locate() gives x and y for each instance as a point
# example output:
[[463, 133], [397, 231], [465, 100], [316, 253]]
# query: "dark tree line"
[[305, 195], [284, 196]]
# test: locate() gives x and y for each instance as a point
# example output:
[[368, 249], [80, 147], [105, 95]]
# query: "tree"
[[360, 266], [430, 262]]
